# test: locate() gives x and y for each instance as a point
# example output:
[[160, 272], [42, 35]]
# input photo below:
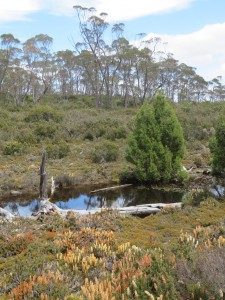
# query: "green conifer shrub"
[[156, 145], [217, 148]]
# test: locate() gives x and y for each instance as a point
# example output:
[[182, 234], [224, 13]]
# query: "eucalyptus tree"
[[199, 88], [86, 62], [168, 76], [127, 55], [102, 60], [9, 52], [17, 82], [38, 60], [112, 61], [148, 74], [216, 89], [68, 73], [92, 29], [185, 86], [150, 59]]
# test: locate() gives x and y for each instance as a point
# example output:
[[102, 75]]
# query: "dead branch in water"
[[110, 188]]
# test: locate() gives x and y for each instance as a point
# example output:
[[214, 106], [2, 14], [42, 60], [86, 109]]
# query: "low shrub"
[[128, 176], [3, 114], [203, 277], [182, 176], [82, 101], [105, 152], [198, 160], [89, 136], [117, 133], [107, 128], [13, 148], [46, 129], [26, 136], [4, 124], [15, 245], [58, 151], [64, 180], [194, 197], [43, 113]]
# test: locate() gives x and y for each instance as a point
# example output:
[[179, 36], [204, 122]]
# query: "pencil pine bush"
[[217, 148], [156, 145]]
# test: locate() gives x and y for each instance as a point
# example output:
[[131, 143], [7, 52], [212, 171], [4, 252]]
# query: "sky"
[[193, 30]]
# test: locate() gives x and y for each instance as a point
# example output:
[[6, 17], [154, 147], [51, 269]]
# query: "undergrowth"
[[172, 255], [75, 135]]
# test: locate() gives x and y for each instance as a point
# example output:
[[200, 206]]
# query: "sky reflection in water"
[[80, 199]]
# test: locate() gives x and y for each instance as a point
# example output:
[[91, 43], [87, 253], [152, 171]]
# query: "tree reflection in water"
[[14, 209]]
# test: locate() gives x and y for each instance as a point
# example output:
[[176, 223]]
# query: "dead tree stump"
[[43, 178]]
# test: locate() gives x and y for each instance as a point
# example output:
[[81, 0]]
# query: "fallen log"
[[47, 207], [110, 188], [162, 205]]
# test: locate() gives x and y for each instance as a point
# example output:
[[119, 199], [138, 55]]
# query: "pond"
[[79, 198]]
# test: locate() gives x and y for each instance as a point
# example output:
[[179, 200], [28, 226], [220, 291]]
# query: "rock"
[[15, 193], [206, 172]]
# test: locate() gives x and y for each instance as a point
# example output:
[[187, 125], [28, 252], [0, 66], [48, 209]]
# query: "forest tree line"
[[98, 68]]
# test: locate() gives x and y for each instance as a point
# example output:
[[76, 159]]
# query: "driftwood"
[[6, 215], [110, 188], [52, 186], [48, 207]]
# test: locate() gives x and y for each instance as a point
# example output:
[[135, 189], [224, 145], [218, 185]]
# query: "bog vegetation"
[[172, 255], [87, 145]]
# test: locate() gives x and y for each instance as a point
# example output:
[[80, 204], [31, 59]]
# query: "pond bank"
[[199, 179]]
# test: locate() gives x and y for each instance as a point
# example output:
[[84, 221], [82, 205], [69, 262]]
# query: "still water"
[[79, 198]]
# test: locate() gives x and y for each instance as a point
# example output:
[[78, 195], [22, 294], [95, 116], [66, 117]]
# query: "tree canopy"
[[109, 70], [156, 145]]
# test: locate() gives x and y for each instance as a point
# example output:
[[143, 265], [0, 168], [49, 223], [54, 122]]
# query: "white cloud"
[[117, 10], [203, 49], [17, 9], [58, 7]]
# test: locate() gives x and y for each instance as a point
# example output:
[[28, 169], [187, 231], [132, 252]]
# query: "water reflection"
[[79, 198], [217, 191], [21, 209]]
